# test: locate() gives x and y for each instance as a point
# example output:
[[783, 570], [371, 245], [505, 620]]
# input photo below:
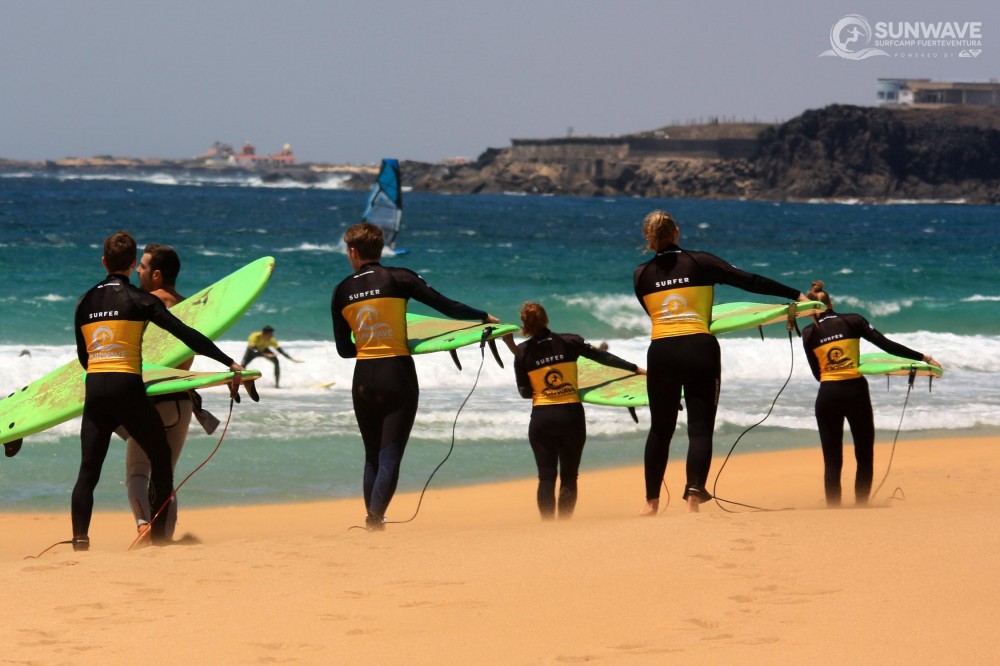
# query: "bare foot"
[[145, 537], [651, 508], [693, 504]]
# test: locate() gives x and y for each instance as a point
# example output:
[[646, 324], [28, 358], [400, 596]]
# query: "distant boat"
[[385, 203]]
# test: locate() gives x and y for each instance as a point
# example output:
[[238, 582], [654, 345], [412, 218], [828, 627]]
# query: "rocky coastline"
[[835, 153]]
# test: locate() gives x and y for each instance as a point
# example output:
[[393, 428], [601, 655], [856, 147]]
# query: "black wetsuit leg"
[[691, 363], [836, 401], [557, 434], [252, 353], [114, 399], [385, 394]]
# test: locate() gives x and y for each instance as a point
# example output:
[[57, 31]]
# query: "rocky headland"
[[837, 152]]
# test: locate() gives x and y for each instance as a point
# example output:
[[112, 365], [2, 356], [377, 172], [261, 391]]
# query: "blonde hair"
[[660, 230], [816, 293], [533, 319]]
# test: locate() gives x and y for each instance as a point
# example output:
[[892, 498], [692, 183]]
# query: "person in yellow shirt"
[[260, 344]]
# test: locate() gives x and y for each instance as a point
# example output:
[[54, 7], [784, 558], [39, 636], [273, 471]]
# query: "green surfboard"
[[435, 334], [729, 317], [58, 396], [162, 381], [614, 387], [887, 364]]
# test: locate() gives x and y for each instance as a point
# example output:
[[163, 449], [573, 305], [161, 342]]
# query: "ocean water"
[[924, 274]]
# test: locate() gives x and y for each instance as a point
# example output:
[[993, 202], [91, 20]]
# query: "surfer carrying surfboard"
[[109, 323], [833, 349], [157, 271], [546, 373], [676, 289], [369, 324]]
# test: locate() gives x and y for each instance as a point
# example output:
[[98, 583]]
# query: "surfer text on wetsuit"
[[110, 321], [371, 305], [676, 288], [546, 372], [833, 348]]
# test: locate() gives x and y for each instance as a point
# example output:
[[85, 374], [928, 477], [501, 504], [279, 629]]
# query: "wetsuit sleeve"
[[636, 279], [520, 376], [807, 343], [341, 330], [726, 273], [419, 290], [585, 349], [197, 341], [869, 333], [81, 343], [283, 353]]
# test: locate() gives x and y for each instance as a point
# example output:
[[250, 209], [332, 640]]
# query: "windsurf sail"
[[385, 202]]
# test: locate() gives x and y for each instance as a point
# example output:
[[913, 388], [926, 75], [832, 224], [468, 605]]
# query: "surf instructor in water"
[[370, 304], [676, 289]]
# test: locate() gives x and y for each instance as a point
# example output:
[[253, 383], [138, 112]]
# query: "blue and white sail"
[[385, 202]]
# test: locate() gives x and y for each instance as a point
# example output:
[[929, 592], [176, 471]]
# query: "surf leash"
[[909, 388], [163, 507], [454, 425], [790, 325]]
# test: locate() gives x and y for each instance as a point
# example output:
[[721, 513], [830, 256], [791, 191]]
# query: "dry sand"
[[477, 578]]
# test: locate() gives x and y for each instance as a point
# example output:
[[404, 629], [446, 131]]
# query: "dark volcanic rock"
[[836, 152]]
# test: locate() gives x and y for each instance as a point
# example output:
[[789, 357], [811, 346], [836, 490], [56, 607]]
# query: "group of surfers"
[[368, 308]]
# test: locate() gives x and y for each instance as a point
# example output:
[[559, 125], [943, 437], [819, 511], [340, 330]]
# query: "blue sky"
[[351, 82]]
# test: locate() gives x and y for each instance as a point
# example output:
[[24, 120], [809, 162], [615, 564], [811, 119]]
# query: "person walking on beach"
[[676, 289], [157, 271], [371, 305], [259, 344], [833, 348], [546, 373], [109, 323]]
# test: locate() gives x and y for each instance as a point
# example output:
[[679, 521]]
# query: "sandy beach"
[[477, 578]]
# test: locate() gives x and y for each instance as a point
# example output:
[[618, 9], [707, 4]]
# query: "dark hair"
[[366, 238], [267, 329], [163, 258], [816, 293], [533, 319], [119, 252]]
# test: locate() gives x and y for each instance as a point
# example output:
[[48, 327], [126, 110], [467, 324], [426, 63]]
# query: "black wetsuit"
[[110, 321], [676, 288], [545, 370], [833, 348], [371, 305]]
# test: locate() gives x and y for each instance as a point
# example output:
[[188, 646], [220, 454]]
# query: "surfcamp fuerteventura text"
[[853, 37]]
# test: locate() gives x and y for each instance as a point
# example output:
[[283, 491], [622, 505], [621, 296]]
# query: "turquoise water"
[[924, 274]]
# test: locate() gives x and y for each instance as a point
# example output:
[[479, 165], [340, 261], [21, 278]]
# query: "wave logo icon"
[[103, 340], [367, 319], [850, 37], [674, 305], [970, 53]]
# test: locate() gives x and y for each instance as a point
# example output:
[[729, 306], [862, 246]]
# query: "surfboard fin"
[[10, 449], [635, 417], [454, 357], [496, 354]]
